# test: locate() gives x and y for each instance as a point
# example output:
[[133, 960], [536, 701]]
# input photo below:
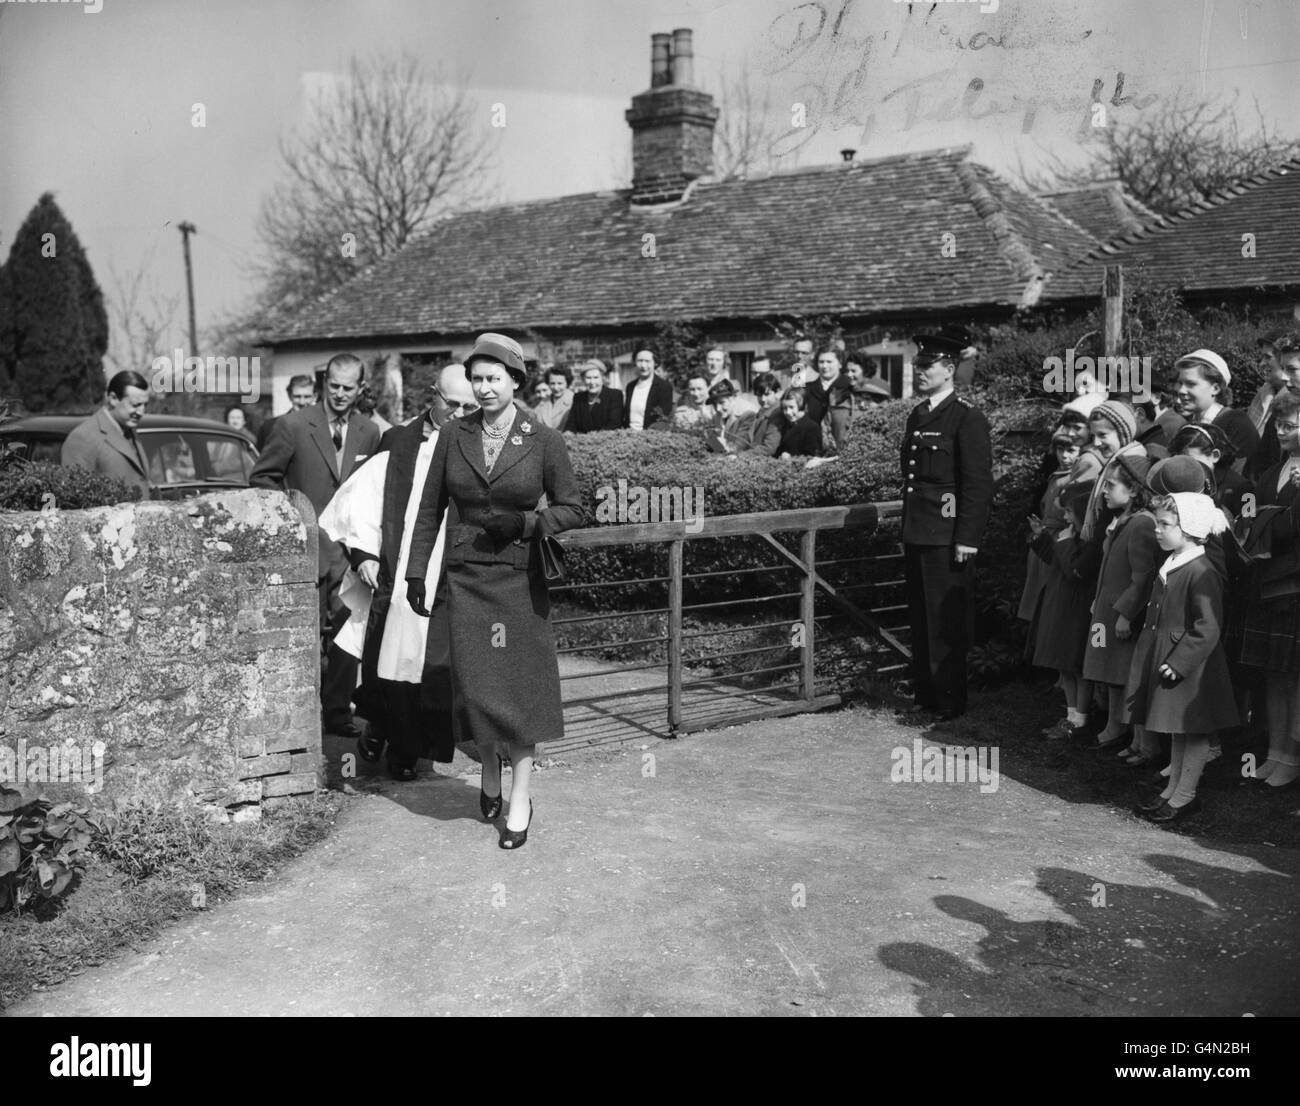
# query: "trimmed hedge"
[[42, 485], [866, 471]]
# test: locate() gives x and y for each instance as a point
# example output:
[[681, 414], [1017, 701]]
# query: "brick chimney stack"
[[672, 124]]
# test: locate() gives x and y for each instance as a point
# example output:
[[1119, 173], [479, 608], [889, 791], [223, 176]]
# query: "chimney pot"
[[683, 58], [660, 65], [848, 155]]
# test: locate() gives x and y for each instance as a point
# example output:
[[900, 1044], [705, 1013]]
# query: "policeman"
[[947, 465]]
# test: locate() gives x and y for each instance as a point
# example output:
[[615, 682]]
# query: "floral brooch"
[[516, 440], [526, 427]]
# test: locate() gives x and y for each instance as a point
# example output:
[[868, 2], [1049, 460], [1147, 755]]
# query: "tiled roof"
[[1200, 249], [1105, 210], [860, 239]]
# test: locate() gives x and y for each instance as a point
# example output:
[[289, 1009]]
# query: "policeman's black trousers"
[[941, 612]]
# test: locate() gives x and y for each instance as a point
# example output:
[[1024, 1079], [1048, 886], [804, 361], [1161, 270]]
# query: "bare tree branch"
[[389, 150], [747, 128], [1173, 156], [141, 319]]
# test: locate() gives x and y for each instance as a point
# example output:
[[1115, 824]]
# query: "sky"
[[97, 105]]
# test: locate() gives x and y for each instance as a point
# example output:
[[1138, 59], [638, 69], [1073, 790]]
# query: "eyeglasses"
[[466, 408]]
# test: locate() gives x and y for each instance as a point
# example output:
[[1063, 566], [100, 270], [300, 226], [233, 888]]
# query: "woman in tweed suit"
[[490, 470]]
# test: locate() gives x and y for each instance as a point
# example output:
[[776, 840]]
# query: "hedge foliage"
[[43, 485], [866, 470]]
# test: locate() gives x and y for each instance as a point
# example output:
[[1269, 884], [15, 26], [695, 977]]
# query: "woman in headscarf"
[[493, 614]]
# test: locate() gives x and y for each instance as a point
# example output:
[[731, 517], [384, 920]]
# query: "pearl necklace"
[[491, 431]]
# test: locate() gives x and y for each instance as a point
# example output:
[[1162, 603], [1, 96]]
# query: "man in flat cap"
[[947, 465]]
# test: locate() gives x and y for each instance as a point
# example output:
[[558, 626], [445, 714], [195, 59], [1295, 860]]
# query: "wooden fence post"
[[807, 610], [675, 589], [1112, 311]]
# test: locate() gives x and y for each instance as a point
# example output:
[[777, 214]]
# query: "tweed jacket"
[[534, 462], [99, 444]]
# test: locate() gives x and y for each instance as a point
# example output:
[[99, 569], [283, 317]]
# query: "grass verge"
[[159, 866]]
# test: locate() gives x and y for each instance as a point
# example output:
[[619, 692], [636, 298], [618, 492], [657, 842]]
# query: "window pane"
[[229, 459]]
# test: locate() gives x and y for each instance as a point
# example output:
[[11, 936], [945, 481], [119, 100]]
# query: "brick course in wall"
[[181, 635]]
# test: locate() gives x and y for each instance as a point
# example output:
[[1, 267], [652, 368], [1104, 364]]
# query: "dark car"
[[186, 456]]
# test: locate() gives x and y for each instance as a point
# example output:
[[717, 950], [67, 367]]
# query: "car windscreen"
[[178, 457]]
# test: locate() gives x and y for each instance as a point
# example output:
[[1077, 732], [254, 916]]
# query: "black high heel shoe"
[[491, 807], [514, 839]]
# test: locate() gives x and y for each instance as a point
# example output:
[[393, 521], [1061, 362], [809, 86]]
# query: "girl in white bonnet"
[[1179, 681]]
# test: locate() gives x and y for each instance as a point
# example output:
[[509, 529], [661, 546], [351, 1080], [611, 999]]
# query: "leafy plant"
[[42, 845], [38, 485]]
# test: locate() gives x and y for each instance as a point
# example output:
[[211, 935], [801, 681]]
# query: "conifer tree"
[[53, 326]]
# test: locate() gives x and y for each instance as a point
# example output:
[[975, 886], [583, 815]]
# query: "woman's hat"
[[1118, 415], [722, 389], [1137, 465], [1079, 408], [1198, 517], [497, 347], [1206, 357], [1177, 474]]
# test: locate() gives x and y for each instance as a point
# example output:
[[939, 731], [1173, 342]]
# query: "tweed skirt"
[[1270, 633], [505, 678]]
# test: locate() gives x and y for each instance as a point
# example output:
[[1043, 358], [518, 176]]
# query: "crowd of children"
[[1163, 585]]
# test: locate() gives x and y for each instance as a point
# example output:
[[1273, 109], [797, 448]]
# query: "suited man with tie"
[[106, 442], [313, 450], [947, 467]]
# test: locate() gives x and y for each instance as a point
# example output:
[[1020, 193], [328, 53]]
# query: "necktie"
[[338, 445]]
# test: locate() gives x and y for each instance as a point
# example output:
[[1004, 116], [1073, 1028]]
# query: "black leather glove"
[[416, 597], [504, 526]]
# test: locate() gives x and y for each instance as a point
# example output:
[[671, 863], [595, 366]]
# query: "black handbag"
[[550, 554]]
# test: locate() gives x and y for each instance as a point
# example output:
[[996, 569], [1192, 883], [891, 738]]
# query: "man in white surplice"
[[405, 690]]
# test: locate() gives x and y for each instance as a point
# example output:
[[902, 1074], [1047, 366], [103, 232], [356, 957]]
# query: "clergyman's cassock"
[[405, 690]]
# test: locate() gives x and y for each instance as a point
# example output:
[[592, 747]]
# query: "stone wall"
[[179, 636]]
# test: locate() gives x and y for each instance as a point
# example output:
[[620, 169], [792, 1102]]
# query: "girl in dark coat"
[[1129, 560], [802, 436], [1050, 516], [1179, 683], [490, 471], [1060, 628]]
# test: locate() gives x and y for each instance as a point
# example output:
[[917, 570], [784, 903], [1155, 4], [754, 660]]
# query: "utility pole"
[[186, 230]]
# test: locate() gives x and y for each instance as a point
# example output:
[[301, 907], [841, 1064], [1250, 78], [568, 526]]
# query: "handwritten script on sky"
[[884, 68]]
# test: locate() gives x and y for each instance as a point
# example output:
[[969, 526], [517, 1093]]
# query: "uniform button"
[[909, 487]]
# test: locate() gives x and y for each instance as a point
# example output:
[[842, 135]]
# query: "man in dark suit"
[[302, 393], [947, 466], [650, 397], [599, 407], [313, 450], [106, 442]]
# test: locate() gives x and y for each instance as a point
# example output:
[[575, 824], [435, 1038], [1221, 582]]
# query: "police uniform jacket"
[[947, 466]]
